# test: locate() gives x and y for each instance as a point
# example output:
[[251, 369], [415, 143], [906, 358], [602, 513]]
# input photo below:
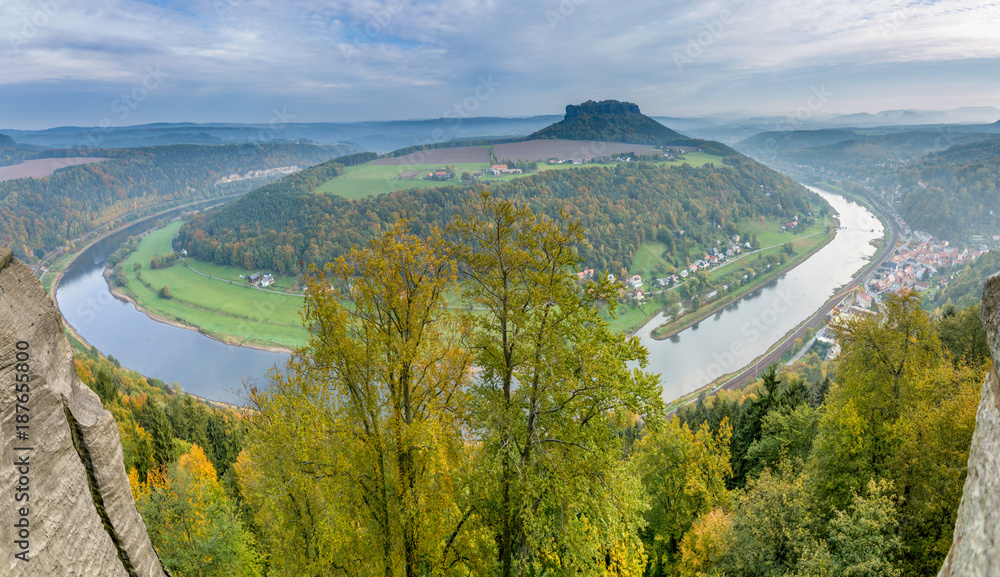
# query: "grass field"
[[226, 309], [697, 159], [375, 179]]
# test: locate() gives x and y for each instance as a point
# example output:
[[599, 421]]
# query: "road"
[[749, 374]]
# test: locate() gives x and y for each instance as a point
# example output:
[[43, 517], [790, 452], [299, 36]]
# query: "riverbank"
[[774, 353], [179, 323], [66, 260], [214, 301], [668, 330]]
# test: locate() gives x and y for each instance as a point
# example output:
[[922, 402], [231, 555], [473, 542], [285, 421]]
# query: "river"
[[202, 366], [732, 338], [723, 343]]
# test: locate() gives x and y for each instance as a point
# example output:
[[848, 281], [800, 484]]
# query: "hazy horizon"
[[132, 62]]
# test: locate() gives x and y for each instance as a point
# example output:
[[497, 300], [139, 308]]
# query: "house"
[[864, 300], [254, 279], [585, 274], [637, 294], [184, 252], [693, 267], [267, 280], [635, 281]]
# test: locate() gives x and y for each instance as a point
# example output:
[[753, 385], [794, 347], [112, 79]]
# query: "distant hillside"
[[776, 142], [6, 142], [32, 222], [375, 136], [610, 121], [955, 193], [286, 225]]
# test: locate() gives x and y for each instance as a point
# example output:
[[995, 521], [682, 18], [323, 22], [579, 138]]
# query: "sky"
[[125, 62]]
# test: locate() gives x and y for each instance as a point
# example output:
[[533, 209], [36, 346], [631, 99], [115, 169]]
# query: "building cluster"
[[260, 280], [270, 172], [502, 169], [913, 266]]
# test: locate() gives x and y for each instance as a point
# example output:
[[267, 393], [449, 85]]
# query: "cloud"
[[341, 59]]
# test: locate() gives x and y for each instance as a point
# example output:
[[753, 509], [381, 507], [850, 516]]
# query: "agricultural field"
[[42, 167], [405, 172], [375, 179], [543, 149], [214, 298]]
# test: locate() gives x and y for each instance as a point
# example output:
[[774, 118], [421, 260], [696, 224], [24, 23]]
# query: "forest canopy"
[[286, 226]]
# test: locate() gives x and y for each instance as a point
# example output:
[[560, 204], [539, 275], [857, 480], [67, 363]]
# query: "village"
[[917, 264]]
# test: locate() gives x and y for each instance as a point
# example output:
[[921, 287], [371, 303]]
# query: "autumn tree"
[[373, 409], [684, 472], [903, 411], [551, 481], [194, 524]]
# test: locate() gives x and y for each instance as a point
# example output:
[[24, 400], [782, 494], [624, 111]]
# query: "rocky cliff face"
[[975, 548], [65, 503]]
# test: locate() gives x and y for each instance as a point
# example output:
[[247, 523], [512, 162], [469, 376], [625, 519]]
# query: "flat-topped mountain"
[[610, 121]]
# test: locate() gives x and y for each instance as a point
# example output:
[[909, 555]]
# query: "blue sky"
[[122, 62]]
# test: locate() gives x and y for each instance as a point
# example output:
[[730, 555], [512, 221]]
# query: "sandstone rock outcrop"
[[65, 503], [975, 548]]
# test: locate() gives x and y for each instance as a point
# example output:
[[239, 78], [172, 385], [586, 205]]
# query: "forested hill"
[[955, 193], [612, 121], [285, 226], [6, 142], [38, 215]]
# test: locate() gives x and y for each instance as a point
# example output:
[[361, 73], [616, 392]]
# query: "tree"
[[164, 293], [706, 543], [684, 473], [770, 525], [194, 525], [903, 411], [788, 248], [865, 539], [380, 390], [550, 477]]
